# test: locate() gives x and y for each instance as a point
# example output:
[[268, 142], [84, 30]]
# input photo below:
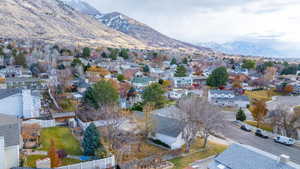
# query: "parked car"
[[284, 140], [246, 128], [260, 133]]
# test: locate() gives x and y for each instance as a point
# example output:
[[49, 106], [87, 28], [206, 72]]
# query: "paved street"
[[234, 133]]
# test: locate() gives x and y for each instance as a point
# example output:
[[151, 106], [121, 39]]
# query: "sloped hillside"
[[54, 21]]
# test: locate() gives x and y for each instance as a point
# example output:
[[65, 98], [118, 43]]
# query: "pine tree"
[[180, 71], [173, 61], [86, 52], [240, 115], [52, 153], [91, 140]]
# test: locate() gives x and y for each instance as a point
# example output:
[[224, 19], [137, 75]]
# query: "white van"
[[284, 140]]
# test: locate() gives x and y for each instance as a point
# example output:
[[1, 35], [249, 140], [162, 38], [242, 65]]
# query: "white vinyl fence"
[[96, 164], [99, 123], [42, 123]]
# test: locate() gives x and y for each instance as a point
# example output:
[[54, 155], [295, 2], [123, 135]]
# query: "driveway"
[[235, 134]]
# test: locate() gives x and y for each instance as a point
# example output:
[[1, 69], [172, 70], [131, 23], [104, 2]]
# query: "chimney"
[[284, 158]]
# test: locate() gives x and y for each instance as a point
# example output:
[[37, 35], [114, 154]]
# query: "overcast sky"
[[213, 20]]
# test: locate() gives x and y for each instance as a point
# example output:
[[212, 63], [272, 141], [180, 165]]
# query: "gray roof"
[[167, 126], [221, 92], [239, 156], [10, 129], [164, 125], [241, 98], [8, 92]]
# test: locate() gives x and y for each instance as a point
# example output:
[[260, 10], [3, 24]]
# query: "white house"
[[177, 93], [182, 82], [9, 141], [21, 103], [168, 131], [227, 98]]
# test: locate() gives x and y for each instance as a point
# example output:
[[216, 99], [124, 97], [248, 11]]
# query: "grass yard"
[[261, 95], [263, 126], [31, 160], [213, 149], [63, 139], [146, 150]]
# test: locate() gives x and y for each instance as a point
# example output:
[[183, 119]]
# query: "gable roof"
[[164, 125], [10, 129], [239, 156], [167, 126], [9, 92]]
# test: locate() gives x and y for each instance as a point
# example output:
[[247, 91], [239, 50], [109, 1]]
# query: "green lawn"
[[213, 149], [263, 126], [31, 160], [63, 139]]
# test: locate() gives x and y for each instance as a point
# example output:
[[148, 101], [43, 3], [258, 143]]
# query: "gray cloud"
[[212, 20]]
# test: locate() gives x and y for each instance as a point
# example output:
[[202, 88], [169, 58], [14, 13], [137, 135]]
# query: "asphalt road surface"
[[235, 134]]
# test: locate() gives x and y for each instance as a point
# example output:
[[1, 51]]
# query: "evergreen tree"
[[91, 140], [173, 61], [218, 78], [86, 52], [240, 115], [180, 71], [146, 69], [154, 94], [104, 55], [113, 53], [124, 53], [185, 61]]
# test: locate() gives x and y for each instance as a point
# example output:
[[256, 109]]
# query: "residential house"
[[166, 130], [169, 131], [11, 71], [183, 82], [239, 156], [9, 141], [142, 82], [227, 98], [20, 103], [30, 135], [176, 94], [26, 83]]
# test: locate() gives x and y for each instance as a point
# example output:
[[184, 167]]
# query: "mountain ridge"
[[53, 21], [137, 30]]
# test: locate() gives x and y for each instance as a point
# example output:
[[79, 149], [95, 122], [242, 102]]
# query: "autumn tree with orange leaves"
[[288, 89], [259, 111], [52, 153]]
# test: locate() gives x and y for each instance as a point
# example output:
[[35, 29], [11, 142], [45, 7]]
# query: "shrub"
[[240, 115]]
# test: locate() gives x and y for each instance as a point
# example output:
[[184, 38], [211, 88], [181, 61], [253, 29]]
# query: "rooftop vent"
[[220, 166]]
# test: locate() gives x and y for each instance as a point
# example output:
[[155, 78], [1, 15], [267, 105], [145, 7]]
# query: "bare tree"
[[199, 117], [285, 122]]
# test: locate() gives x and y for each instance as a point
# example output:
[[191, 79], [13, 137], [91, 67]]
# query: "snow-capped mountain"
[[264, 48], [141, 31], [131, 27]]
